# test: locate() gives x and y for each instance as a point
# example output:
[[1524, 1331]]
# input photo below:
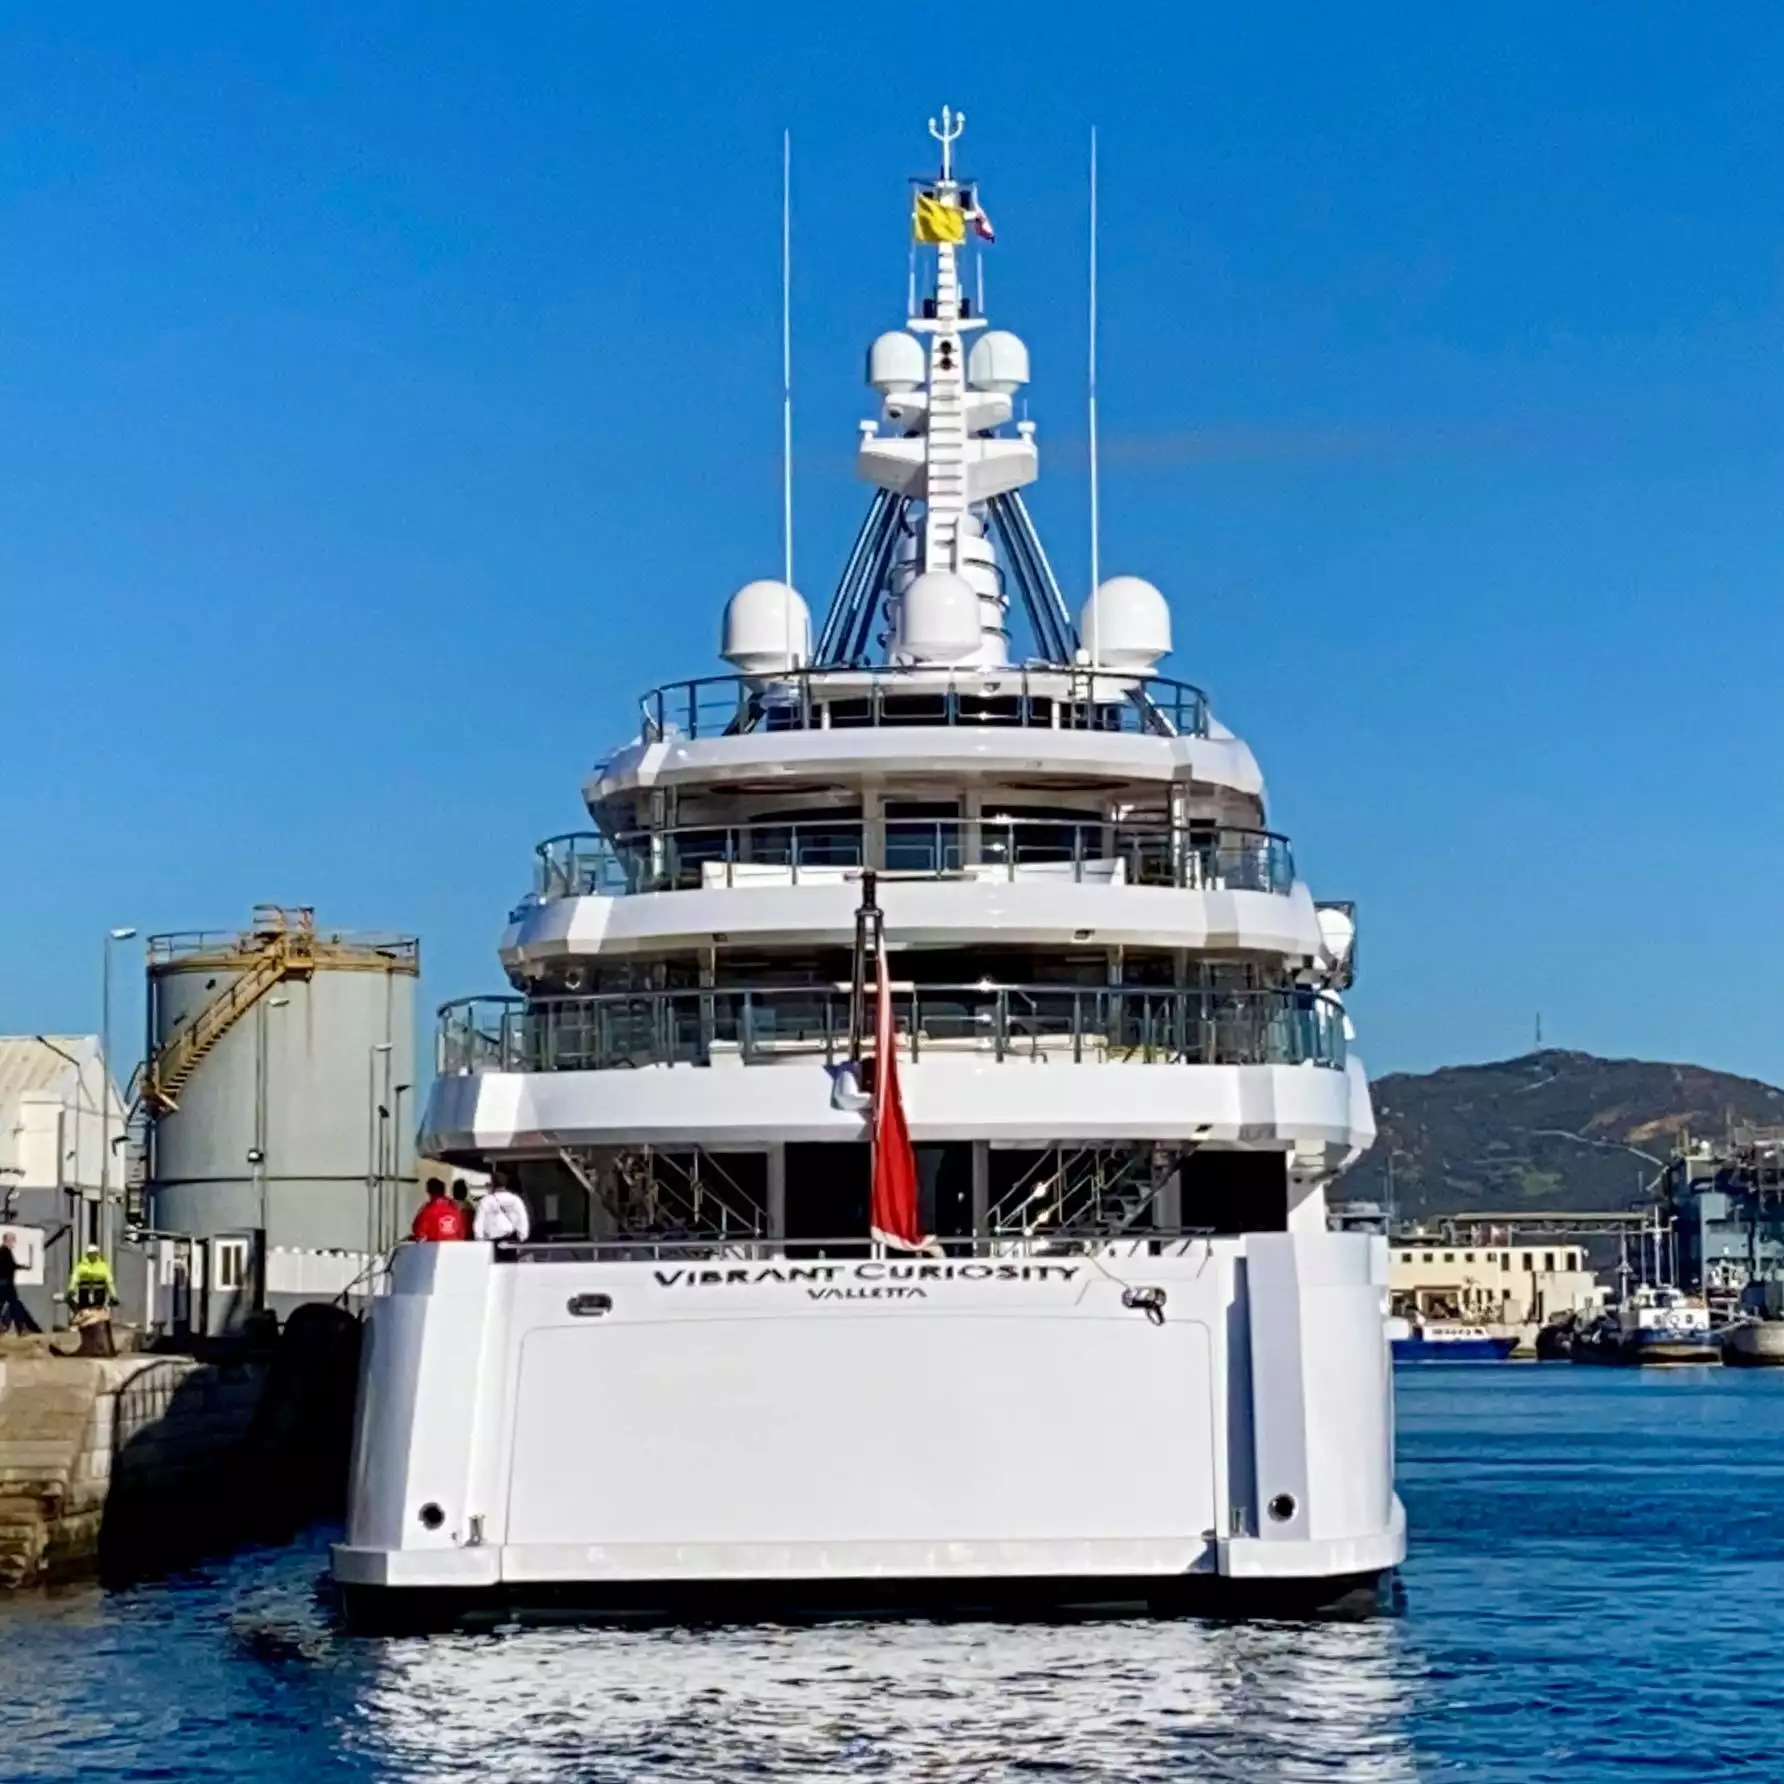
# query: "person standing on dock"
[[15, 1316], [92, 1294], [439, 1217], [502, 1216]]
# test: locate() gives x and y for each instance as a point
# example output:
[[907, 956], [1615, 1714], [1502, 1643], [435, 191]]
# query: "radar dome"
[[1126, 625], [767, 629], [938, 619], [895, 363], [998, 361], [1338, 931]]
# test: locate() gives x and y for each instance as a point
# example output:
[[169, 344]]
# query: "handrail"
[[283, 954], [271, 922], [1019, 696], [803, 1254], [1114, 1024], [691, 856]]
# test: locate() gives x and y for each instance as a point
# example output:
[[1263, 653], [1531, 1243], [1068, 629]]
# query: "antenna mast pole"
[[787, 366], [1095, 506]]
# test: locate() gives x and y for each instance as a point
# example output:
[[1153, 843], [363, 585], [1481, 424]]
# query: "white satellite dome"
[[998, 361], [1126, 625], [896, 363], [767, 629], [938, 619], [1338, 931]]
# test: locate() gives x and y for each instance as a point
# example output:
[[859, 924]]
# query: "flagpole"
[[1095, 506]]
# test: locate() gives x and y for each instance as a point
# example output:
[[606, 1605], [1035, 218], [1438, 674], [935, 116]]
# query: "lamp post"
[[257, 1156], [372, 1160], [105, 1232], [396, 1163]]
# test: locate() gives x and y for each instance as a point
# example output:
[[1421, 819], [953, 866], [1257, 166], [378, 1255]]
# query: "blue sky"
[[389, 394]]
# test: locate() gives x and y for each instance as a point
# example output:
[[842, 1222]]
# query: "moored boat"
[[1449, 1341], [924, 1085], [1555, 1338], [1754, 1344], [1652, 1324]]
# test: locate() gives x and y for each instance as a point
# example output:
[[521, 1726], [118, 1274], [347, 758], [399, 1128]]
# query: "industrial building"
[[1723, 1207], [1505, 1284], [279, 1095], [60, 1116]]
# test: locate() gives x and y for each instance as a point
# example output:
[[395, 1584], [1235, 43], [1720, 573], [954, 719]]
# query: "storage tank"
[[280, 1083]]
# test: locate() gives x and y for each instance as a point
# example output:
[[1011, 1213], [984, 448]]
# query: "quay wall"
[[125, 1465]]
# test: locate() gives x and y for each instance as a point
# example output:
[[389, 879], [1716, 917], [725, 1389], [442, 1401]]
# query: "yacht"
[[957, 898]]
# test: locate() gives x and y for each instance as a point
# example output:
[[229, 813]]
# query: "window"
[[1548, 1262], [1430, 1257], [1505, 1260], [231, 1263], [1449, 1257], [1573, 1260], [1406, 1257], [1468, 1257], [1529, 1261]]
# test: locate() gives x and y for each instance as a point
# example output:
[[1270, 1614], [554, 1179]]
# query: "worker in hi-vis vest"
[[92, 1293]]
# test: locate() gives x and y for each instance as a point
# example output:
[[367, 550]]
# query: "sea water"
[[1593, 1593]]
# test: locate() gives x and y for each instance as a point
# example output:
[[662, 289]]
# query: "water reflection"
[[962, 1701], [1595, 1563]]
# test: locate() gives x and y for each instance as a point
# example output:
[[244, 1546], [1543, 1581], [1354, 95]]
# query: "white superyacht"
[[1111, 1356]]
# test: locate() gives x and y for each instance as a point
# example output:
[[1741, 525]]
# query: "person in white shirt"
[[502, 1217]]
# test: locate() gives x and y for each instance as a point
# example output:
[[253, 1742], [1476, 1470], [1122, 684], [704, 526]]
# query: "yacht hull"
[[1206, 1429], [373, 1609]]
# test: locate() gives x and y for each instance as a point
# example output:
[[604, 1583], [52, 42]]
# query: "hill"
[[1549, 1130]]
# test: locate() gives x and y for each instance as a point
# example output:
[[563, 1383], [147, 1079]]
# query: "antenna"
[[1095, 508], [787, 370], [953, 123]]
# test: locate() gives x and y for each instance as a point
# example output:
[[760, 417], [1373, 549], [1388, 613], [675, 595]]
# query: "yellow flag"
[[933, 221]]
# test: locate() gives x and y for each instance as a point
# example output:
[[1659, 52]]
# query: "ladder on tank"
[[281, 945]]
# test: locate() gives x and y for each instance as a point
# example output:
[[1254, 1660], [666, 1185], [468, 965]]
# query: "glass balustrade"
[[824, 850], [827, 700], [1083, 1025]]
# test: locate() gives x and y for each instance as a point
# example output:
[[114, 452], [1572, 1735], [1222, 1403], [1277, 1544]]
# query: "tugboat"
[[1652, 1324], [1657, 1324]]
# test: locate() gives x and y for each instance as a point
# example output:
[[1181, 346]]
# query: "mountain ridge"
[[1552, 1129]]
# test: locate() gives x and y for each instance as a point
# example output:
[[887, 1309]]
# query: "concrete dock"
[[123, 1465], [113, 1460]]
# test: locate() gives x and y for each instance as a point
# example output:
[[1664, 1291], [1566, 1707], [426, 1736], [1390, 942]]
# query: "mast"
[[946, 495], [787, 363], [1096, 525]]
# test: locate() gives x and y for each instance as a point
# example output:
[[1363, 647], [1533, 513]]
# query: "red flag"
[[893, 1217]]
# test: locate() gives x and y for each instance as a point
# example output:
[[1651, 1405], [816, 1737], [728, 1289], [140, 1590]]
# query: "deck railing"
[[818, 850], [1067, 1023], [803, 1259], [1046, 699]]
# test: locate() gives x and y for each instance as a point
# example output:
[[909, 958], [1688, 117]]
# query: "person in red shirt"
[[439, 1217]]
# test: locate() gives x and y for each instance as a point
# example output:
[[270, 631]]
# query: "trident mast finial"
[[952, 124]]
